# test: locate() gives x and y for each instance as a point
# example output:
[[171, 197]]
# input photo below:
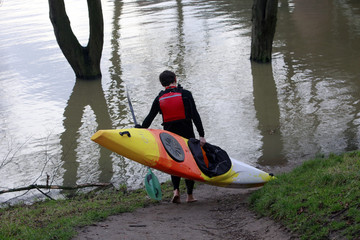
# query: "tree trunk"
[[85, 61], [263, 29]]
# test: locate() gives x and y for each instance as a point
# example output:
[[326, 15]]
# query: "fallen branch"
[[46, 195], [36, 186]]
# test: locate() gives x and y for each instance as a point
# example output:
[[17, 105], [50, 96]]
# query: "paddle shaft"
[[131, 107]]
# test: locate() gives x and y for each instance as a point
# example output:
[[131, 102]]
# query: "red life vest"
[[172, 106]]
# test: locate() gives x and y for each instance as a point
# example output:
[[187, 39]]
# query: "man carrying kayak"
[[179, 112]]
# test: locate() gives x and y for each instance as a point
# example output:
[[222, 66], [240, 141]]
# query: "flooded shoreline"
[[306, 102]]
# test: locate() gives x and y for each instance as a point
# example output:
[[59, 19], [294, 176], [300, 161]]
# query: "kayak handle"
[[126, 132]]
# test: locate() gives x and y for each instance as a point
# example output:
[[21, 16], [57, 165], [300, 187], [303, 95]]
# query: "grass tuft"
[[318, 200], [59, 219]]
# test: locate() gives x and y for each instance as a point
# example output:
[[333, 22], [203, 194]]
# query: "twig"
[[7, 159], [44, 194]]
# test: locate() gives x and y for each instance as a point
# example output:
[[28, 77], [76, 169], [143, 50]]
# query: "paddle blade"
[[152, 186]]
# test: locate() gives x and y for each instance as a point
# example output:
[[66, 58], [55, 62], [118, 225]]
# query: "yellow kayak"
[[175, 155]]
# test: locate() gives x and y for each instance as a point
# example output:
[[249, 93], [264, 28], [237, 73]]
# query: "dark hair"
[[167, 77]]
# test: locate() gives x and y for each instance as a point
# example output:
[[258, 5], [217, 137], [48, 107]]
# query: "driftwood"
[[38, 187]]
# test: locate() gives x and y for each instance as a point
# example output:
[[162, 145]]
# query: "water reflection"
[[116, 97], [178, 62], [306, 102], [85, 93], [268, 114], [319, 82]]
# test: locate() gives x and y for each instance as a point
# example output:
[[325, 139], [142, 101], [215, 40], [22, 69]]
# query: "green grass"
[[59, 219], [318, 200]]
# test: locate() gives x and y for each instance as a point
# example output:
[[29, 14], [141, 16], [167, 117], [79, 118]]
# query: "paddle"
[[131, 107], [152, 185]]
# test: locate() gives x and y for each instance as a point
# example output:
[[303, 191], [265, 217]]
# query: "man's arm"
[[152, 114], [196, 118]]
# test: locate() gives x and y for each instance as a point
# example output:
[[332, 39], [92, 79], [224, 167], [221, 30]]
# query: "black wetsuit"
[[182, 127]]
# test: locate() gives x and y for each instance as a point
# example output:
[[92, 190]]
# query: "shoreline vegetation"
[[318, 200]]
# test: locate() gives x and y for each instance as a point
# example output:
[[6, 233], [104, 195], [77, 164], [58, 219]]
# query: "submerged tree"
[[85, 61], [263, 29]]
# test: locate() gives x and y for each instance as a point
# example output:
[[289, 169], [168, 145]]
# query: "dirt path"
[[219, 213]]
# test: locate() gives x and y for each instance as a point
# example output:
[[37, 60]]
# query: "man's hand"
[[202, 141]]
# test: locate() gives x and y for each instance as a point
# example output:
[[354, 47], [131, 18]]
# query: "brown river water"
[[272, 116]]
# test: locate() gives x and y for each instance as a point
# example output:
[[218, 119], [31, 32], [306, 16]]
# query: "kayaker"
[[179, 112]]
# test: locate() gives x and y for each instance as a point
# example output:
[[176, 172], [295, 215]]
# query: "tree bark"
[[85, 61], [263, 29]]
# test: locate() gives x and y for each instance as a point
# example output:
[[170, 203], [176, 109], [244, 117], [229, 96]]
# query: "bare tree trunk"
[[263, 29], [85, 61]]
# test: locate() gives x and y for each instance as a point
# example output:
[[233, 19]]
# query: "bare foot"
[[190, 199], [176, 197]]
